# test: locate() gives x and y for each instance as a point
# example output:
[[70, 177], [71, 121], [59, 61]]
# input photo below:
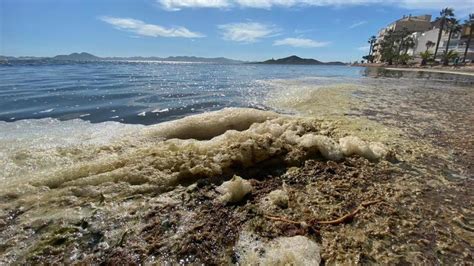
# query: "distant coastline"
[[87, 57]]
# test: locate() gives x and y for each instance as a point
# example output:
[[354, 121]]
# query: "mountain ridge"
[[87, 57], [296, 60], [83, 56]]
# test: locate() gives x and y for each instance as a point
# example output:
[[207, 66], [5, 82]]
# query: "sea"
[[143, 92]]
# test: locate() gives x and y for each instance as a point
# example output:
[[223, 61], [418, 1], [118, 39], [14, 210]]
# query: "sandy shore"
[[462, 71], [467, 70]]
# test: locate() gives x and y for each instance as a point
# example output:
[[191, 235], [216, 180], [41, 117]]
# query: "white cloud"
[[357, 24], [364, 48], [247, 32], [460, 5], [175, 5], [141, 28], [301, 43]]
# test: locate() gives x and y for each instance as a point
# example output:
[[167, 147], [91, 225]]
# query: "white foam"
[[353, 145], [46, 111], [279, 198], [296, 250], [160, 110], [55, 154], [234, 190]]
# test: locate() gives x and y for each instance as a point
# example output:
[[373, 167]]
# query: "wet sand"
[[445, 71]]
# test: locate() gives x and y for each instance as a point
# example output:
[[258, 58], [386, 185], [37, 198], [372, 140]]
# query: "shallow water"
[[140, 92]]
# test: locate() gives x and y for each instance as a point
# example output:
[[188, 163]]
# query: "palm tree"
[[445, 14], [409, 43], [429, 44], [454, 27], [371, 41], [469, 23], [402, 35], [386, 47]]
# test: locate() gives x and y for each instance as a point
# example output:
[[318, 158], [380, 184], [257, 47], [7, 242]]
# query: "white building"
[[457, 43], [409, 23]]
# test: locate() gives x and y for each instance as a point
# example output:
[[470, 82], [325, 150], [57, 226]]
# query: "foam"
[[296, 250], [234, 190], [51, 155], [28, 147], [211, 124], [279, 198], [353, 145]]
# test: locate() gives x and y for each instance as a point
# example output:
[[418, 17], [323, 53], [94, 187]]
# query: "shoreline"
[[455, 72], [462, 70]]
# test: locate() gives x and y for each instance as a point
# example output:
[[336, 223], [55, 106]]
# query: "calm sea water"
[[143, 92]]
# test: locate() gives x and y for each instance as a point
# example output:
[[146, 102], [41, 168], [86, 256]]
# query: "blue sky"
[[242, 29]]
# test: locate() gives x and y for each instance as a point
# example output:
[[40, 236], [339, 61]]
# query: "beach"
[[347, 168]]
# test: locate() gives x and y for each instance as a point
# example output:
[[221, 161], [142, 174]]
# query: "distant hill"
[[90, 57], [7, 57], [291, 60], [2, 57], [296, 60], [220, 60], [77, 57]]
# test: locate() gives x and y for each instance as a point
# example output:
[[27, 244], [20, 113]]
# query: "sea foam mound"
[[110, 174], [201, 146], [296, 250]]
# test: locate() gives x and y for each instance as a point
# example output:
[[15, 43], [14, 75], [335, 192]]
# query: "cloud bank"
[[460, 5], [300, 43], [143, 29], [247, 32]]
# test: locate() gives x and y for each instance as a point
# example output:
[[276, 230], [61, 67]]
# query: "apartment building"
[[423, 31], [409, 23], [457, 43]]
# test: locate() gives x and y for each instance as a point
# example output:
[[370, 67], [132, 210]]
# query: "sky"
[[326, 30]]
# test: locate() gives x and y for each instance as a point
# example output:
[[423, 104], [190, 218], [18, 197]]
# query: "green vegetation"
[[469, 23], [445, 14], [394, 45], [454, 27], [449, 56], [426, 57]]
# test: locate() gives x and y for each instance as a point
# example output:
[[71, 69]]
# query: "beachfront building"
[[457, 43], [423, 31], [408, 23]]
